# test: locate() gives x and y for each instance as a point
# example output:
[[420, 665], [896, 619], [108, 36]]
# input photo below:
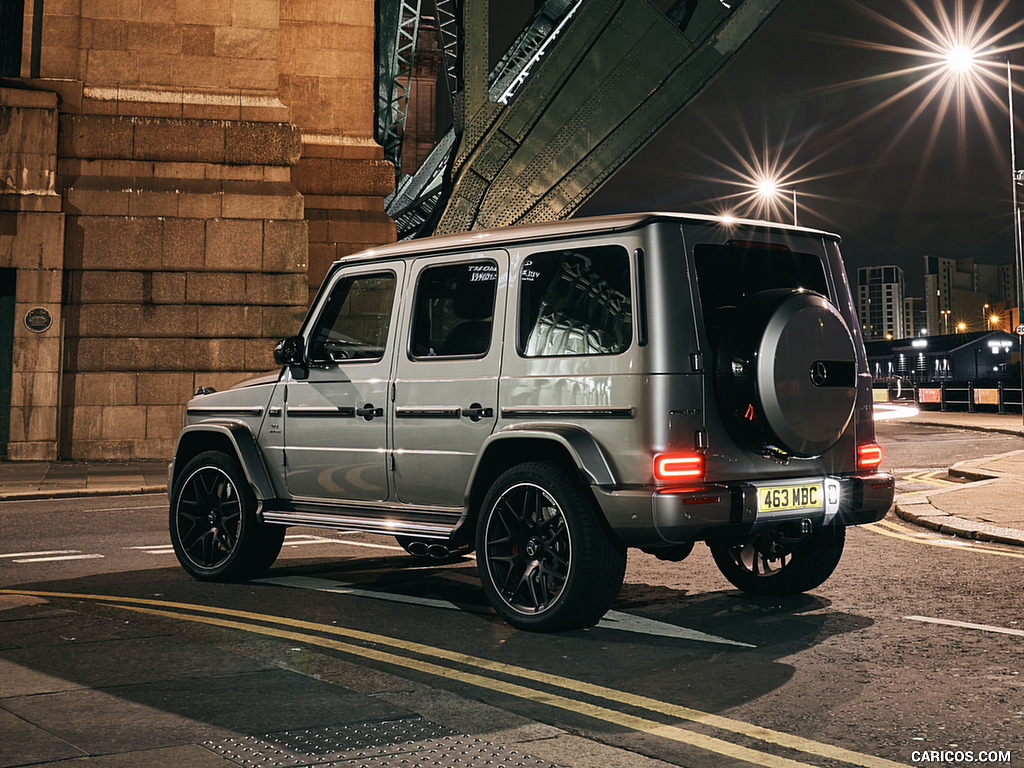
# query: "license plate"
[[780, 498]]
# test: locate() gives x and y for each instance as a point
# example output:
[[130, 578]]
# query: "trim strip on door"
[[345, 411], [429, 412], [577, 411]]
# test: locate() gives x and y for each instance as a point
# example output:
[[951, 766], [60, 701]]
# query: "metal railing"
[[952, 396]]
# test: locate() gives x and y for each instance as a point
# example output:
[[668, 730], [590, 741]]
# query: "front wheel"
[[214, 529], [546, 561], [763, 566]]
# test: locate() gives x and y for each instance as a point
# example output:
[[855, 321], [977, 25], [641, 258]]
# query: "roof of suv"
[[484, 238]]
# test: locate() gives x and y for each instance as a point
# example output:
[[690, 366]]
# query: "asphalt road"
[[910, 652]]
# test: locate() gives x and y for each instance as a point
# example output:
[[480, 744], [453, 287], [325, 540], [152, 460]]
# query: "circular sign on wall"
[[38, 319]]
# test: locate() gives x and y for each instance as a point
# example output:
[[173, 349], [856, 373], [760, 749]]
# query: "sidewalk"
[[26, 480], [987, 509]]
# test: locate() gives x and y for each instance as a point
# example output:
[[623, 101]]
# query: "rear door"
[[446, 386]]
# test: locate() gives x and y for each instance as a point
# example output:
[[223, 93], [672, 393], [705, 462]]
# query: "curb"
[[80, 493], [922, 513], [1015, 432], [958, 526]]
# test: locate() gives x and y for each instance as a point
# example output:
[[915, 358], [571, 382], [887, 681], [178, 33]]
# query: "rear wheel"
[[546, 561], [772, 565], [214, 529]]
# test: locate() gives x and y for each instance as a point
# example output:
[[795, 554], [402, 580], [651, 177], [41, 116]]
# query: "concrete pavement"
[[102, 692], [26, 480], [989, 508]]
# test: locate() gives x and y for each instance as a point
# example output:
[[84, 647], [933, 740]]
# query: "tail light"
[[869, 455], [679, 466]]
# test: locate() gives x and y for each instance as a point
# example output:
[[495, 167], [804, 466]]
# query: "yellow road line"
[[967, 545], [929, 478], [707, 743]]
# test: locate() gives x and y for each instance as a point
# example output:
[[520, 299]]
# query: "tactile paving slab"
[[380, 744]]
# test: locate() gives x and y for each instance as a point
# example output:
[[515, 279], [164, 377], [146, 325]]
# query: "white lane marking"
[[968, 625], [343, 588], [626, 622], [294, 540], [41, 554], [156, 549], [615, 620], [59, 557]]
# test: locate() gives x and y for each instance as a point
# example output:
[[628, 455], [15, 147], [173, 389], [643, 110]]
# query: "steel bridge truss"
[[582, 88]]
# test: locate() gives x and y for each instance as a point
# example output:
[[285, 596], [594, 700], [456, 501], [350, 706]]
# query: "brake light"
[[679, 466], [869, 455]]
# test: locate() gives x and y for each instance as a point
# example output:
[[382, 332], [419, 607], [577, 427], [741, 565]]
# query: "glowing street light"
[[769, 189]]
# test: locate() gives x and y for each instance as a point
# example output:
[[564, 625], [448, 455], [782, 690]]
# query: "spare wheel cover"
[[806, 375]]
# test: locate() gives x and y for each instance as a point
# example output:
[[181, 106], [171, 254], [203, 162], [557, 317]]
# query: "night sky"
[[895, 188]]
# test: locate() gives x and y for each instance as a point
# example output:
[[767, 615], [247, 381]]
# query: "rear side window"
[[454, 310], [575, 302]]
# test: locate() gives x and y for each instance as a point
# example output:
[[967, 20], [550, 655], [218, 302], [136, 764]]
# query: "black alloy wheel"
[[213, 525], [759, 567], [546, 562]]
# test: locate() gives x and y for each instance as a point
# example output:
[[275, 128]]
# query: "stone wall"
[[207, 160], [31, 243], [327, 74], [184, 263]]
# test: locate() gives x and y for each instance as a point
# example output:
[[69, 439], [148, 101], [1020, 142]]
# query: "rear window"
[[729, 272]]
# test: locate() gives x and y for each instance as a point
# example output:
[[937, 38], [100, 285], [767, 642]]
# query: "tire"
[[758, 569], [786, 373], [214, 529], [546, 561]]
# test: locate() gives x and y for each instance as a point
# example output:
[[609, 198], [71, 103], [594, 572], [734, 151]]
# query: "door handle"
[[368, 411], [475, 412]]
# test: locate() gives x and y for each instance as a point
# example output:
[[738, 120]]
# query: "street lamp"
[[962, 61], [945, 320], [1015, 179], [768, 189], [985, 317]]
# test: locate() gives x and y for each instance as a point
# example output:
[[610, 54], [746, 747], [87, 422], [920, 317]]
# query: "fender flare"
[[242, 442], [579, 444]]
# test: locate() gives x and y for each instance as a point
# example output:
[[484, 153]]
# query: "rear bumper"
[[651, 517]]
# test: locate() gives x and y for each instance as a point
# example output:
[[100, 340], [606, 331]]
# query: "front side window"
[[575, 302], [454, 310], [354, 323]]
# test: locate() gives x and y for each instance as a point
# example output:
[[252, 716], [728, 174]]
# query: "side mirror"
[[291, 351]]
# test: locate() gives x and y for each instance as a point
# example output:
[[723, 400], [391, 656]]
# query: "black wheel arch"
[[234, 439], [572, 450]]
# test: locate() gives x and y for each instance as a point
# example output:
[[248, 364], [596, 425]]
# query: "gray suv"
[[549, 396]]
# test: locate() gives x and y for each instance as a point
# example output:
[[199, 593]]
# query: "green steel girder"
[[585, 85]]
